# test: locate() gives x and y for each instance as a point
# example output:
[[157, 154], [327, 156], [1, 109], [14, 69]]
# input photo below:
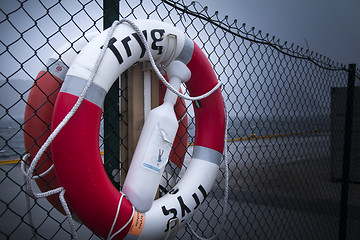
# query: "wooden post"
[[154, 90], [135, 106]]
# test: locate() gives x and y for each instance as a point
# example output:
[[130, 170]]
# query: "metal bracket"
[[173, 229], [169, 52]]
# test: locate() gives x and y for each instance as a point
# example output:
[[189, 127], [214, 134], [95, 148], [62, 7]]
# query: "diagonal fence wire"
[[284, 179]]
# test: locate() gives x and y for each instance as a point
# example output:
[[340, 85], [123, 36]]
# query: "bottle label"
[[158, 150]]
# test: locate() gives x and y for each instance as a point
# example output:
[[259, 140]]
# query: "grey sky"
[[331, 27]]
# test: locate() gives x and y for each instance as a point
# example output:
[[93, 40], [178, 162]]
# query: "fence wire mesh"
[[284, 140]]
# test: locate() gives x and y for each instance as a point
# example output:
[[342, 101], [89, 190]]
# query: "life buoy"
[[75, 150], [39, 110]]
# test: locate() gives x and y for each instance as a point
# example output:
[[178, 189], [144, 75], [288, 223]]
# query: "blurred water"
[[11, 139]]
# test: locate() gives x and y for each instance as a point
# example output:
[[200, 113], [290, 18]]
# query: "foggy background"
[[328, 27]]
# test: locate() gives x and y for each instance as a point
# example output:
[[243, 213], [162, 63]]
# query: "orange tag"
[[137, 224]]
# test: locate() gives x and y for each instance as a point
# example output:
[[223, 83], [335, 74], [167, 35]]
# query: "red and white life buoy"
[[39, 110], [77, 159]]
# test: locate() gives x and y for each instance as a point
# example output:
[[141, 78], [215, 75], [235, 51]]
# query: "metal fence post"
[[111, 107], [347, 151]]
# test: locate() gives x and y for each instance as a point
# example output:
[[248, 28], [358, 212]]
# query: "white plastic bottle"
[[154, 145]]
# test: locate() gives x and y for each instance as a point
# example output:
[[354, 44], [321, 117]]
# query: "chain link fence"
[[285, 180]]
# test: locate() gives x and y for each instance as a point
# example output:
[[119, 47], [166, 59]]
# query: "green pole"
[[111, 107]]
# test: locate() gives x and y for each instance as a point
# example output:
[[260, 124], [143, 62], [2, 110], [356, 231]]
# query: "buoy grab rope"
[[76, 124]]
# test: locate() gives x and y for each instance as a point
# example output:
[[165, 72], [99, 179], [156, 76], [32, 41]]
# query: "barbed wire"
[[250, 35]]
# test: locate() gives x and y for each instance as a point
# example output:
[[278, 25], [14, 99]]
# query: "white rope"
[[126, 224], [23, 168], [226, 190], [157, 71], [29, 174], [169, 86], [68, 213], [116, 217]]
